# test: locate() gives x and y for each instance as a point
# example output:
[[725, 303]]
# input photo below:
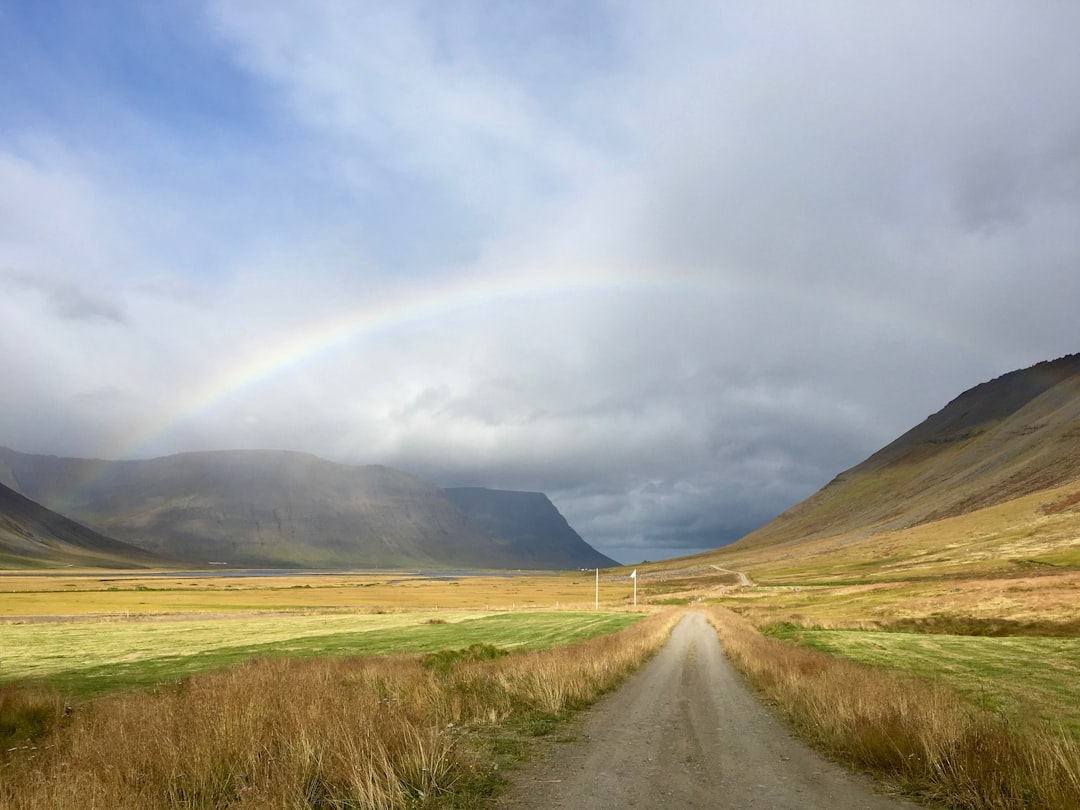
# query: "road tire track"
[[685, 732]]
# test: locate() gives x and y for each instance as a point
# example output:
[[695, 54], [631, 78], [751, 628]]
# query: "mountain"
[[530, 521], [1012, 436], [33, 536], [267, 508]]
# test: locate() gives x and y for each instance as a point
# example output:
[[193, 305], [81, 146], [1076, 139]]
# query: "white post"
[[633, 576]]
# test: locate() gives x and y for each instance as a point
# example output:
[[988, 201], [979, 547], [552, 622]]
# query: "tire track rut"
[[684, 732]]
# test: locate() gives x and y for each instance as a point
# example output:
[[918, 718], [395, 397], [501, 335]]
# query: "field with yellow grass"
[[92, 631], [944, 657], [95, 657], [108, 592], [919, 732], [370, 731], [305, 690], [1031, 535]]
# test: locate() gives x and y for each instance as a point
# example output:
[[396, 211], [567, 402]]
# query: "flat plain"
[[90, 632], [75, 593]]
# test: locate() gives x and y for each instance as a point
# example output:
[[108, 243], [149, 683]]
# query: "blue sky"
[[676, 265]]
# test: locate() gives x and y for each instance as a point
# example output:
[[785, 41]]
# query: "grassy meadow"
[[1030, 536], [89, 632], [311, 690], [923, 735], [68, 593], [1022, 678], [94, 657], [390, 731], [951, 673]]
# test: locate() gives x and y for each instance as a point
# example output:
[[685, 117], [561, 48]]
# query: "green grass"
[[86, 658], [1069, 558], [1019, 677]]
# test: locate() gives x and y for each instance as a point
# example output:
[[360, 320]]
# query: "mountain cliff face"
[[1006, 438], [530, 521], [268, 508], [32, 536]]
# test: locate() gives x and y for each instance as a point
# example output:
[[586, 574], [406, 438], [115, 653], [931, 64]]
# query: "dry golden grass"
[[1027, 679], [23, 594], [918, 735], [1033, 534], [328, 733], [87, 657], [1048, 600], [1016, 562]]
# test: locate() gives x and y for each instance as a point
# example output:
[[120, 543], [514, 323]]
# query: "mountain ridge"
[[267, 508], [1003, 439], [33, 536], [528, 519]]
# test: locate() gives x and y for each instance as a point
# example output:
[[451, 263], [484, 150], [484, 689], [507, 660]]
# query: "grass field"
[[920, 733], [70, 593], [101, 634], [1047, 599], [1022, 678], [287, 732], [95, 656], [289, 691]]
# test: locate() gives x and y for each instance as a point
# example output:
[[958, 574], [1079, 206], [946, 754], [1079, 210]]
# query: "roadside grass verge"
[[360, 732], [1018, 677], [920, 736], [84, 658]]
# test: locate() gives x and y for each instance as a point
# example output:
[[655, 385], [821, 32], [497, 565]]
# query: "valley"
[[917, 618]]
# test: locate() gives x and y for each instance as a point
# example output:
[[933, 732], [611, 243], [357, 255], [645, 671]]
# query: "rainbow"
[[400, 308], [405, 306]]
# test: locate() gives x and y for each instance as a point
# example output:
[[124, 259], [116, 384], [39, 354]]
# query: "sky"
[[675, 264]]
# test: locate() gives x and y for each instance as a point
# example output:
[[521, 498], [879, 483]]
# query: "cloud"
[[675, 266], [66, 300]]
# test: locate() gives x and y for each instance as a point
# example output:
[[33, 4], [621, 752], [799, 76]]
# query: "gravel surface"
[[685, 733]]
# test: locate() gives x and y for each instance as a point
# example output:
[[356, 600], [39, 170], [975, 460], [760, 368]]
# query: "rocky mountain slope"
[[530, 521], [269, 508], [1010, 437], [33, 536]]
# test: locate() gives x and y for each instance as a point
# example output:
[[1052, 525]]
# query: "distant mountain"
[[268, 508], [1012, 436], [32, 536], [530, 521]]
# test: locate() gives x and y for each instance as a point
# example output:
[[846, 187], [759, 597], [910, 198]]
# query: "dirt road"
[[744, 580], [685, 733]]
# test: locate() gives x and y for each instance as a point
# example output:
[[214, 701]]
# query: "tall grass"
[[920, 736], [389, 732]]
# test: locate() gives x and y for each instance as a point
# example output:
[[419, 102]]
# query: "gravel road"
[[685, 733]]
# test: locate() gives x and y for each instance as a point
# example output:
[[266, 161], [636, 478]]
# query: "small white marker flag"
[[634, 575]]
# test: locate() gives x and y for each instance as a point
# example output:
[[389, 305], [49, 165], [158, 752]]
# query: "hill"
[[33, 536], [265, 508], [530, 521], [987, 486], [1006, 438]]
